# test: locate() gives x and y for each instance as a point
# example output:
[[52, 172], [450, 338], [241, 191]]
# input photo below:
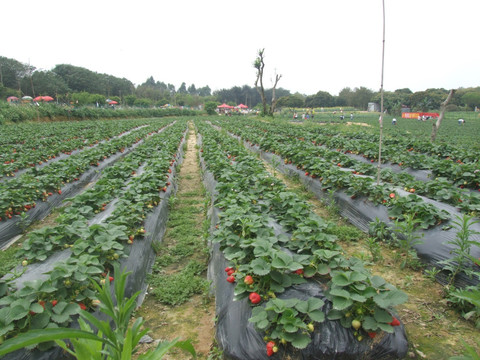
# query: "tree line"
[[68, 83]]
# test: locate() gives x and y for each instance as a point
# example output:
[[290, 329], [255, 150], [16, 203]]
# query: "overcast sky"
[[314, 44]]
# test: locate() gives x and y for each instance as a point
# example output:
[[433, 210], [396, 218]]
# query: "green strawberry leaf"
[[300, 340]]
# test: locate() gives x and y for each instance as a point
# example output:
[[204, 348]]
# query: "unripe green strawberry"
[[356, 324]]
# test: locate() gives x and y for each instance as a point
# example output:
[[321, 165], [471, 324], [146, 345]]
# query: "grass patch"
[[182, 258], [8, 260], [178, 288], [347, 233]]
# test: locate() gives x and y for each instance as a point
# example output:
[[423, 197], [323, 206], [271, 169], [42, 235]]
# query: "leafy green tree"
[[210, 107], [345, 97], [320, 99], [115, 86], [393, 101], [404, 91], [5, 92], [12, 72], [361, 97], [291, 101], [471, 99], [162, 102], [78, 79], [81, 98], [46, 83], [427, 100], [142, 102], [182, 89], [192, 90], [205, 91], [97, 99], [151, 89], [130, 100]]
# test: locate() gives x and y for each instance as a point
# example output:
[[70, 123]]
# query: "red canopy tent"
[[225, 106], [241, 106], [43, 98]]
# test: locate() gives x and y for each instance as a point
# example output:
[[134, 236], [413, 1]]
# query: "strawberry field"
[[284, 282]]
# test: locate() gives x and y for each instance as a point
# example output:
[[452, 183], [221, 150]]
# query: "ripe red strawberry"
[[231, 279], [110, 278], [372, 334], [230, 272], [82, 306], [255, 298], [299, 272], [269, 351], [394, 322], [227, 269], [392, 195], [54, 302], [271, 348], [248, 280]]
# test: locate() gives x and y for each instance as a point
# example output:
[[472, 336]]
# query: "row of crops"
[[335, 164], [441, 228], [283, 285], [282, 259], [340, 161], [107, 222], [29, 145]]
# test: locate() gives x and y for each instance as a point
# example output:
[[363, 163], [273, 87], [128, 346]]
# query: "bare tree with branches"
[[259, 64], [436, 125]]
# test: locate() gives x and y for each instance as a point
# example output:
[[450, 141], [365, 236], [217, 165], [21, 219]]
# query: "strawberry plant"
[[117, 342], [288, 320], [94, 249], [254, 207]]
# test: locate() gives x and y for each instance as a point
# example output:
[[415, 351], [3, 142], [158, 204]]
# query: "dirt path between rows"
[[194, 319]]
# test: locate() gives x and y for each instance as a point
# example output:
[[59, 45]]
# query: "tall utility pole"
[[381, 100]]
